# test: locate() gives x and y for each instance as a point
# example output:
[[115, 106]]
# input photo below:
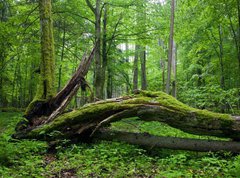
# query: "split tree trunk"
[[46, 110]]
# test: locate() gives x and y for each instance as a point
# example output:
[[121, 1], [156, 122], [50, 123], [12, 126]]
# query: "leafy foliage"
[[108, 159]]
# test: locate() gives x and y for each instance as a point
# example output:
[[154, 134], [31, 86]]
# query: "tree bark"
[[175, 143], [98, 61], [109, 82], [143, 69], [162, 64], [147, 106], [104, 50], [174, 70], [46, 88], [170, 48], [128, 84], [238, 84], [222, 80], [135, 68], [62, 56], [57, 104]]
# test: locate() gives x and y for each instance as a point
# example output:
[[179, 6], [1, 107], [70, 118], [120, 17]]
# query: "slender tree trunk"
[[135, 68], [14, 83], [174, 70], [109, 83], [162, 63], [4, 11], [19, 86], [1, 81], [98, 61], [143, 69], [170, 48], [104, 50], [31, 83], [24, 98], [62, 56], [127, 61], [235, 37], [222, 80], [238, 11], [238, 84]]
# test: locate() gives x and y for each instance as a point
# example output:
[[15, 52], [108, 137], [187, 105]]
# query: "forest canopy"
[[133, 53]]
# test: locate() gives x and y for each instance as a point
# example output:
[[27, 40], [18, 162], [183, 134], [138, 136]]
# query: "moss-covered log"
[[148, 106]]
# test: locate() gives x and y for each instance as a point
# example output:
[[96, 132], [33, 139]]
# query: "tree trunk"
[[135, 68], [238, 11], [238, 85], [147, 106], [128, 84], [162, 63], [109, 83], [62, 56], [222, 81], [98, 60], [143, 69], [51, 108], [175, 143], [46, 88], [104, 51], [174, 70], [170, 48]]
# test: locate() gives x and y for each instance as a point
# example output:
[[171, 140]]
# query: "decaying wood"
[[169, 142], [46, 121], [57, 104], [147, 106]]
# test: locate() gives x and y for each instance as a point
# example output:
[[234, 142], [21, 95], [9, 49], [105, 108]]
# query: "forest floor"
[[31, 158]]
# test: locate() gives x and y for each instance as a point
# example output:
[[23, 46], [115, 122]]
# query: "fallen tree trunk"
[[169, 142], [147, 106]]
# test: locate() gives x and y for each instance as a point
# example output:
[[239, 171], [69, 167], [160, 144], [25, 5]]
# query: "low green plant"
[[29, 158]]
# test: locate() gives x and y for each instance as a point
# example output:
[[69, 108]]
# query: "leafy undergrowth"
[[108, 159], [155, 128]]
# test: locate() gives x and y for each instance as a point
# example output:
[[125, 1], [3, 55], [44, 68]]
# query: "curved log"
[[148, 106]]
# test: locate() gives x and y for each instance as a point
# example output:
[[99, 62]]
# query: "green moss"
[[172, 112], [33, 104], [149, 93], [85, 114], [138, 100], [46, 88], [170, 102]]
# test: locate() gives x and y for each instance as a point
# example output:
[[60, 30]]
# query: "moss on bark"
[[148, 106], [45, 88]]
